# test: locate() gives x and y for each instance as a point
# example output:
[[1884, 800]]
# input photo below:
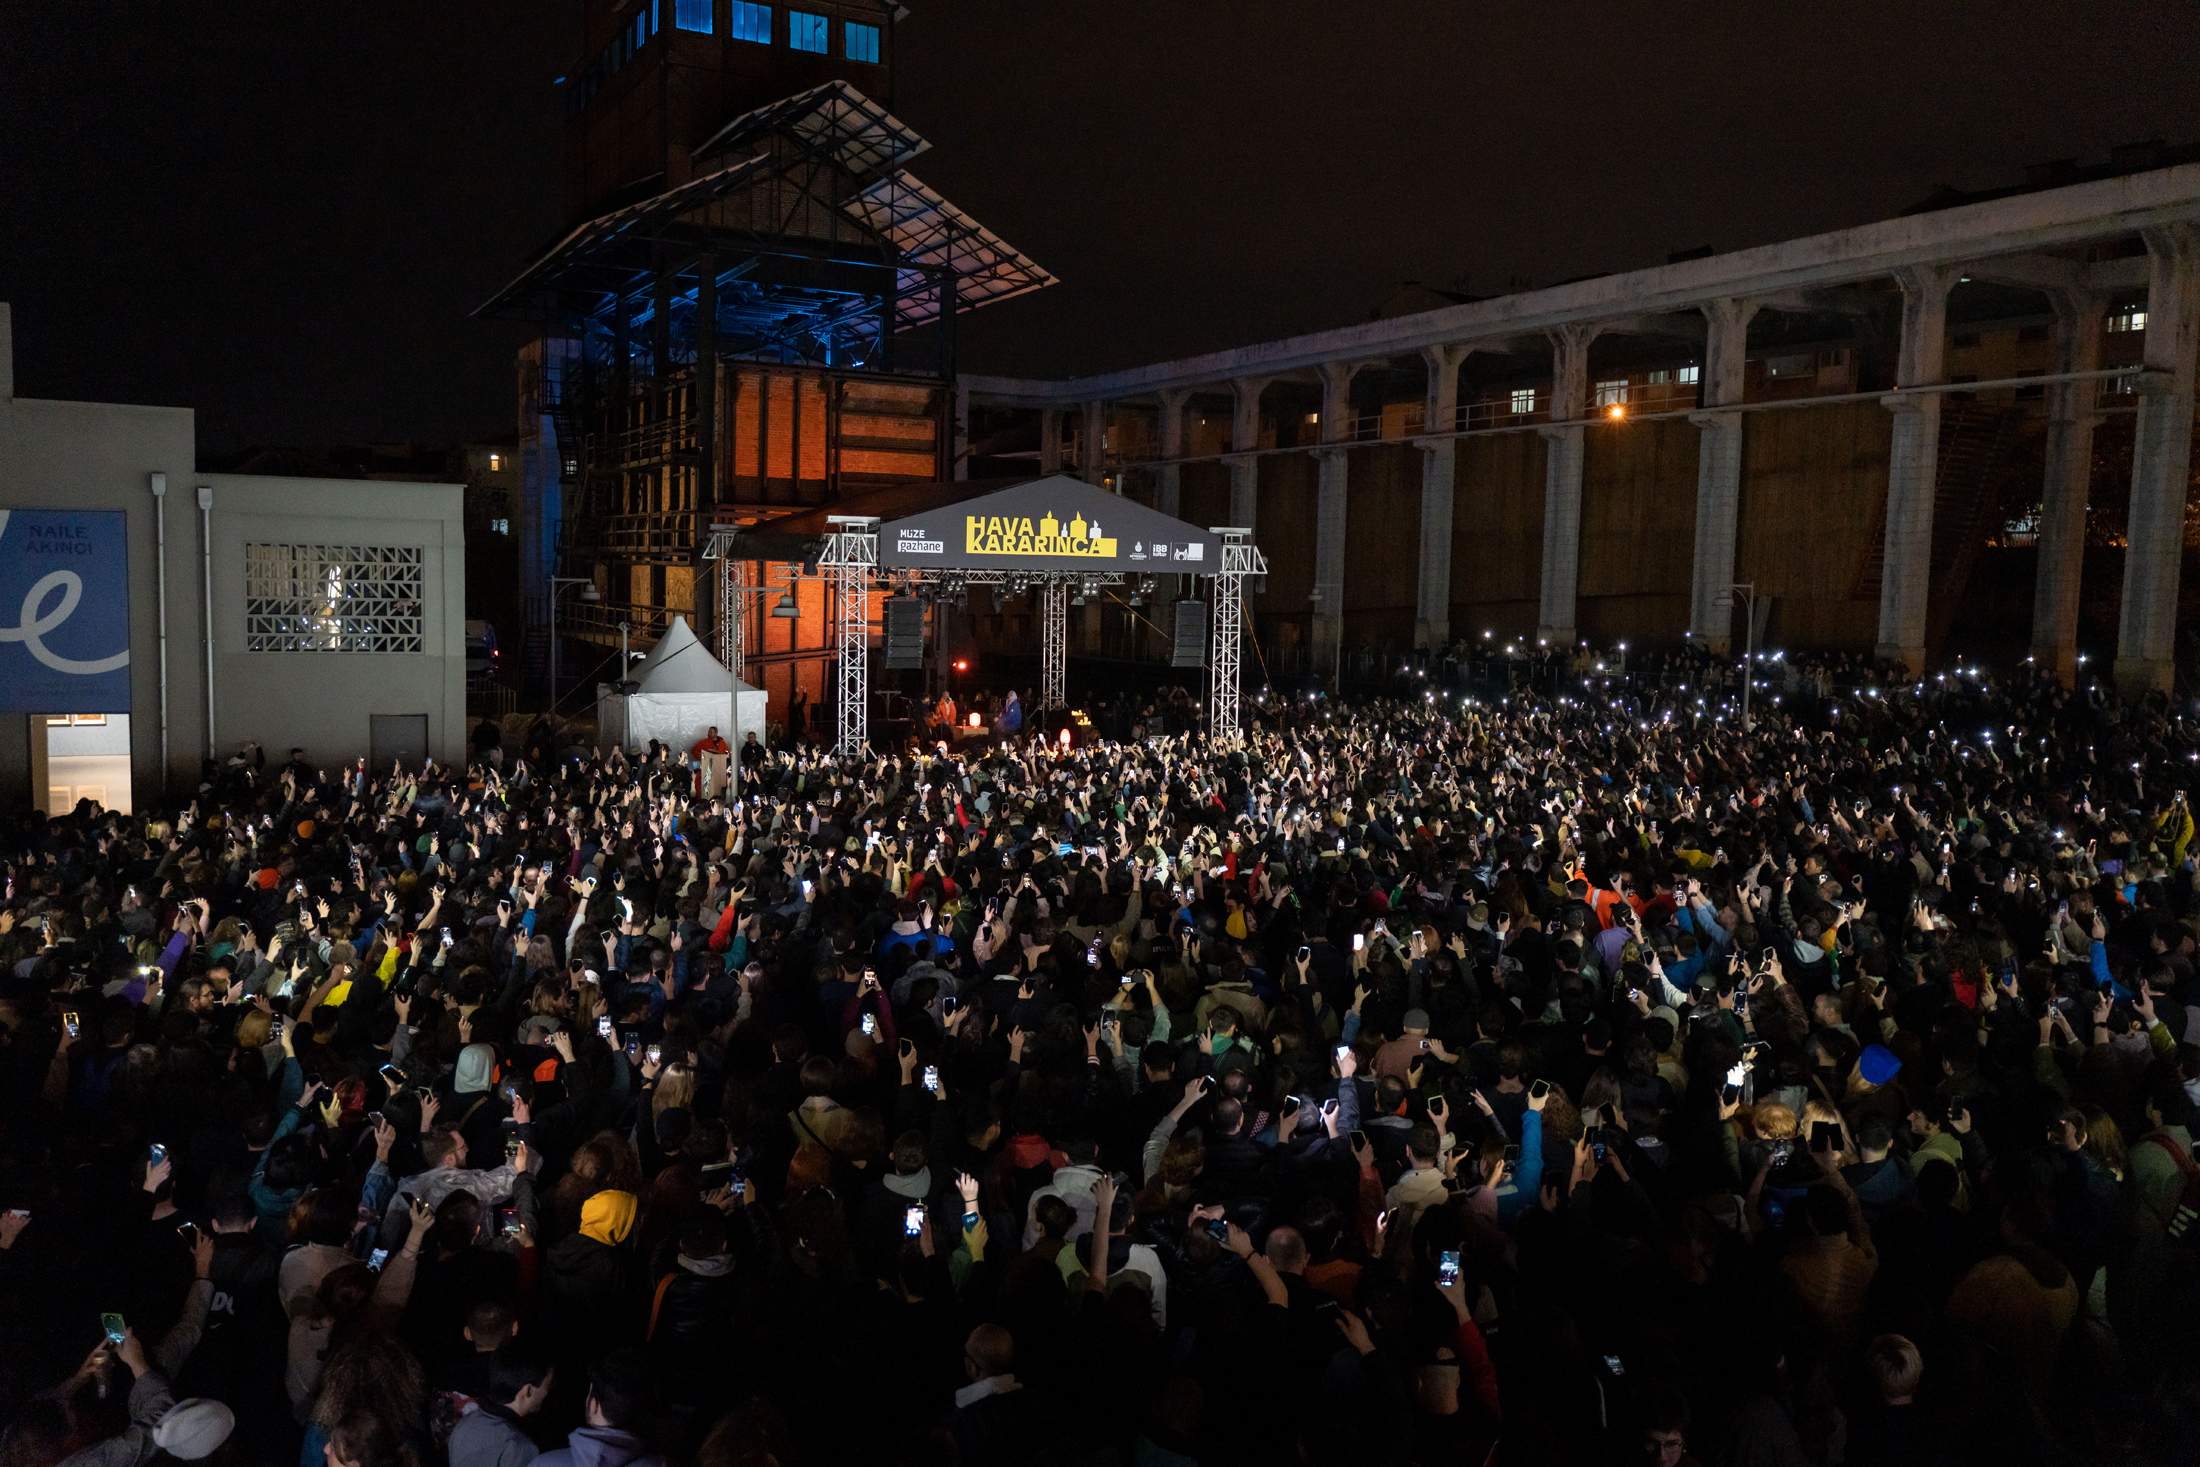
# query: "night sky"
[[283, 223]]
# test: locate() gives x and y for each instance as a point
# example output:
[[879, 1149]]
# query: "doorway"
[[87, 758], [397, 736]]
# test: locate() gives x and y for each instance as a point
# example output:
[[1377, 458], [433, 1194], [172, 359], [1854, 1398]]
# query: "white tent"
[[681, 692]]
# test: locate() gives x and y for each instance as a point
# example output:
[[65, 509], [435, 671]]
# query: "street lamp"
[[1744, 592], [589, 594]]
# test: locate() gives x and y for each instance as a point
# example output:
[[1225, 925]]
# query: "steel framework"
[[1054, 644], [1241, 560], [732, 626], [849, 560]]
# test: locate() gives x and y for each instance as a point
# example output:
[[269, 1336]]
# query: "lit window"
[[1313, 419], [693, 15], [861, 41], [2134, 319], [334, 598], [500, 526], [1659, 376], [496, 463], [807, 32], [1612, 393], [750, 23], [1523, 400], [1686, 376]]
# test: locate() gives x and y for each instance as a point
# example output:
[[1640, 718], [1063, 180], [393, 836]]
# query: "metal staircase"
[[1969, 489]]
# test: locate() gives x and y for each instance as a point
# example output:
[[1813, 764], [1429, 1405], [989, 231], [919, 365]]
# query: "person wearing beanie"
[[190, 1430], [1410, 1048], [1877, 1064]]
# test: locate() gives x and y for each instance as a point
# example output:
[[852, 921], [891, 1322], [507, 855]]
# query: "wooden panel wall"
[[1382, 536], [1638, 528], [1497, 534], [1284, 530], [1814, 485], [1203, 495]]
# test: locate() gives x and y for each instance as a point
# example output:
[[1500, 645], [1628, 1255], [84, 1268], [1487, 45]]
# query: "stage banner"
[[1053, 524], [64, 611]]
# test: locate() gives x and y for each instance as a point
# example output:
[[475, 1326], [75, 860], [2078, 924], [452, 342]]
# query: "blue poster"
[[64, 611]]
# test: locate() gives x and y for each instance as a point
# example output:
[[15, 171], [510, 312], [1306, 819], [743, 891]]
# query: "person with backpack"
[[2154, 1267]]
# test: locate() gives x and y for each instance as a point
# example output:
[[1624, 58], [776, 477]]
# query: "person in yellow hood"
[[591, 1289], [608, 1217]]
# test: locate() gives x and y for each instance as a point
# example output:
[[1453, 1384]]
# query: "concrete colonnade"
[[2080, 298]]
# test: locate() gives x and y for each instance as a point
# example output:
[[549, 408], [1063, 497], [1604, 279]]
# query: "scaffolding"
[[801, 256], [940, 560], [849, 560], [1054, 644], [1241, 561]]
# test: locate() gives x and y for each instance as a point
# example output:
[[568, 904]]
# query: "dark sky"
[[283, 223]]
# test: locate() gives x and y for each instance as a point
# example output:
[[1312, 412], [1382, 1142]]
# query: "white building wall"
[[73, 455], [82, 455], [323, 702]]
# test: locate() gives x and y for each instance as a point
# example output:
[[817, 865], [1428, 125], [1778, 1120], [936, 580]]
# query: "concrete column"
[[1562, 482], [2071, 414], [1718, 471], [1092, 446], [1439, 488], [2161, 461], [1244, 438], [958, 452], [1050, 440], [1330, 491], [1913, 465], [1168, 476]]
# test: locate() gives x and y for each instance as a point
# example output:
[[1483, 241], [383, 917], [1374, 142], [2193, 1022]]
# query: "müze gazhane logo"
[[917, 542]]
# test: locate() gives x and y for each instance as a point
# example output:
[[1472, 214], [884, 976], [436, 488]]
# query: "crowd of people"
[[1430, 1080]]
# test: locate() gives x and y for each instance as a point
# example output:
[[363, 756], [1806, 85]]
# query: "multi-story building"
[[751, 315]]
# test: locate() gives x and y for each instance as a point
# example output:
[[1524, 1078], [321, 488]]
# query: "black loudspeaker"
[[1191, 635], [904, 632]]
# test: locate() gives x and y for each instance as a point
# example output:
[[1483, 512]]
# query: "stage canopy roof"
[[1052, 524]]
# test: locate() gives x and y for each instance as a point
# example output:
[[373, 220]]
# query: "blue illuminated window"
[[750, 23], [862, 42], [693, 15], [807, 32]]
